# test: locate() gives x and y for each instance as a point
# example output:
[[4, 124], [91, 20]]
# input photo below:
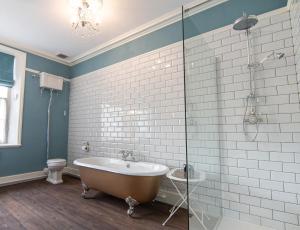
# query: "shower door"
[[202, 126]]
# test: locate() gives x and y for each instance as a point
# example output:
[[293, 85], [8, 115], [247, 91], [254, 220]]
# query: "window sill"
[[4, 146]]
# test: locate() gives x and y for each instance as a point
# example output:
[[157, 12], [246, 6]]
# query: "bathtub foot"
[[132, 203], [85, 190]]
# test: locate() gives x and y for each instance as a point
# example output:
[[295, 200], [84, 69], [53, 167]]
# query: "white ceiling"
[[44, 25]]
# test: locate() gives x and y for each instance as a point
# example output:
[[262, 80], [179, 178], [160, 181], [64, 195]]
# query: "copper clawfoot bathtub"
[[135, 182]]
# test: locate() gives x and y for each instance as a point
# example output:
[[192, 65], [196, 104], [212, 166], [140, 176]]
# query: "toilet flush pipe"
[[48, 123]]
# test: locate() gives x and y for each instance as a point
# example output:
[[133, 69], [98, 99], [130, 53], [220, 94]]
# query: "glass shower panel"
[[202, 126]]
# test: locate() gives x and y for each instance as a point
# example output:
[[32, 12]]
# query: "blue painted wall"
[[31, 156], [210, 19]]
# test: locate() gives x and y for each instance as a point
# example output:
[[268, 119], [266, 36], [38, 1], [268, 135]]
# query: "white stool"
[[176, 175]]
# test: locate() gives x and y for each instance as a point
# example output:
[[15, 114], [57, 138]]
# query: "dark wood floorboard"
[[39, 205]]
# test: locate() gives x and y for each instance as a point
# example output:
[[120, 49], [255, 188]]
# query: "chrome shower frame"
[[251, 117]]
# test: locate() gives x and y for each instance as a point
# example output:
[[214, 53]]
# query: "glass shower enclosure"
[[202, 125], [241, 85]]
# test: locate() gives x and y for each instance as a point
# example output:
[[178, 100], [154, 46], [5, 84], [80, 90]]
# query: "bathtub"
[[135, 182]]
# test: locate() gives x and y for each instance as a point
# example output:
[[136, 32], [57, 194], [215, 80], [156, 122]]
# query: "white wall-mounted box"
[[50, 81]]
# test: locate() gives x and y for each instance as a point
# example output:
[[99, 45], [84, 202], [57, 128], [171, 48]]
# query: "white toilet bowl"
[[55, 170]]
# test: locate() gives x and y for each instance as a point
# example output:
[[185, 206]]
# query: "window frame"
[[19, 78]]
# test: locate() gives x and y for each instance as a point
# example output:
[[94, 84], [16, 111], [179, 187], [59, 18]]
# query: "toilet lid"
[[56, 161]]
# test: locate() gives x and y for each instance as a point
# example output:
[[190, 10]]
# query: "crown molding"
[[200, 5], [140, 31], [34, 51], [156, 24]]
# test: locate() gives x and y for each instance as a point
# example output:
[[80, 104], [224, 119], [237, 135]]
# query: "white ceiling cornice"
[[140, 31], [167, 19], [35, 52], [158, 23]]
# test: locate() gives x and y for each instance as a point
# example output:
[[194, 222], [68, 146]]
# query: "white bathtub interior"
[[123, 167]]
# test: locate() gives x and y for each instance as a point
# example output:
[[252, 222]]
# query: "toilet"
[[55, 170]]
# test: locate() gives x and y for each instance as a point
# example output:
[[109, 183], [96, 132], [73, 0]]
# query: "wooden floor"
[[38, 205]]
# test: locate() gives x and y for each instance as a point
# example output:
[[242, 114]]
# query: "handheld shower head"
[[272, 55]]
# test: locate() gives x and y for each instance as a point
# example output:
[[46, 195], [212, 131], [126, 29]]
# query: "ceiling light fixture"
[[86, 16]]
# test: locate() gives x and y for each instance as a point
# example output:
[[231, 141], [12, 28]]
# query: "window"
[[4, 115], [12, 77]]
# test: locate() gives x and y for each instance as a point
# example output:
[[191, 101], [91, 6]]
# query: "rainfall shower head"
[[272, 55], [245, 22]]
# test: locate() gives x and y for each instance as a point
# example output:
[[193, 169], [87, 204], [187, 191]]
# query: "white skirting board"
[[19, 178], [71, 171]]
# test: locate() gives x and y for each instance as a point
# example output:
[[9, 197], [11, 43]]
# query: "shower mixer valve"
[[253, 118]]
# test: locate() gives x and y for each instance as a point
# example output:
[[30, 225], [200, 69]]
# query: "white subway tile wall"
[[258, 178], [138, 104]]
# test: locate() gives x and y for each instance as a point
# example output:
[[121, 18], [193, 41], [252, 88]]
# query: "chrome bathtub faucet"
[[126, 154]]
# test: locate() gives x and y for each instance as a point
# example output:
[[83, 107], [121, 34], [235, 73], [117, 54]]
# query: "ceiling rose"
[[86, 16]]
